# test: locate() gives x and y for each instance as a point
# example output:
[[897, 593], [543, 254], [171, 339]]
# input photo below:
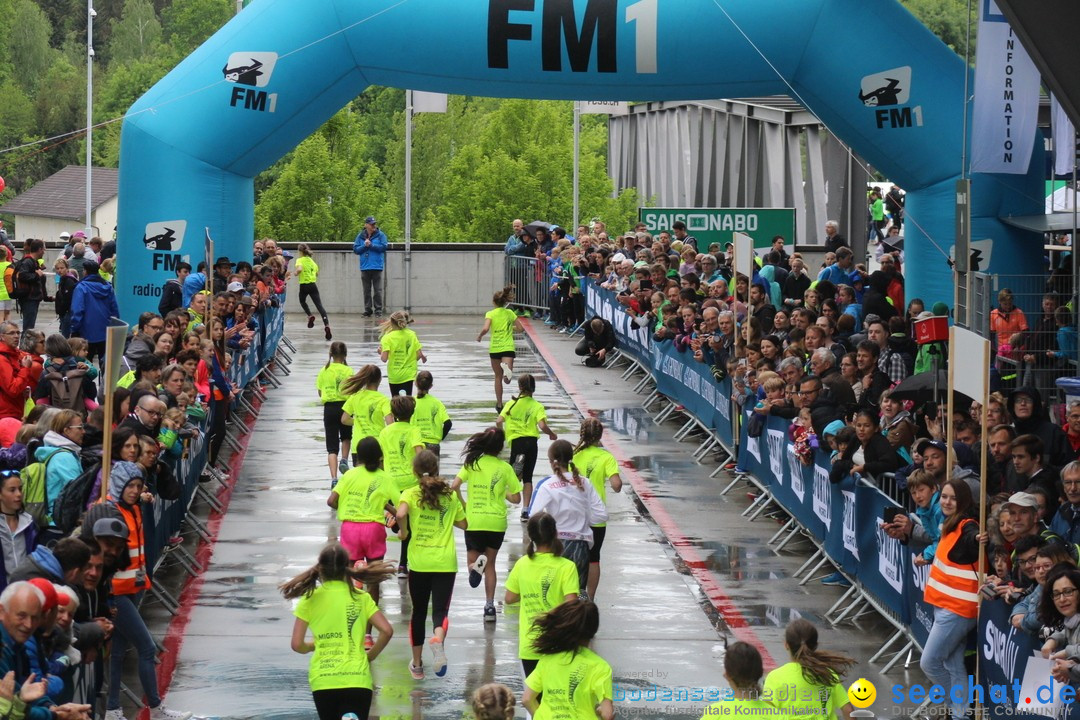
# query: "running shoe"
[[508, 374], [163, 713], [439, 653], [402, 571], [524, 516], [416, 672], [329, 335], [367, 313], [549, 321], [333, 484], [369, 642], [489, 612], [476, 571], [837, 579], [311, 321], [343, 465], [498, 407]]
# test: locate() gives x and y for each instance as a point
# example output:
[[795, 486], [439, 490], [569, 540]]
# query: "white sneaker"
[[115, 715], [163, 713]]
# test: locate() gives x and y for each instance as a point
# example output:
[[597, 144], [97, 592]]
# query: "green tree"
[[188, 23], [121, 85], [61, 110], [29, 44], [136, 33], [948, 19]]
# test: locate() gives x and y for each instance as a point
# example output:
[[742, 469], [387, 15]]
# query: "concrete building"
[[58, 204]]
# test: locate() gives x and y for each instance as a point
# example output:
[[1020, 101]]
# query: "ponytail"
[[334, 564], [591, 432], [504, 297], [819, 667], [398, 320], [368, 376], [543, 532], [567, 627], [338, 353], [561, 454], [433, 488], [369, 453], [493, 701], [424, 381], [488, 442], [526, 386]]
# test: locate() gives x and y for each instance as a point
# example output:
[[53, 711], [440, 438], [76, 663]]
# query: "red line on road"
[[192, 590], [686, 549]]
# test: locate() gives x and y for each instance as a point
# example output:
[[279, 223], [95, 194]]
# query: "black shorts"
[[481, 540], [597, 543], [505, 354]]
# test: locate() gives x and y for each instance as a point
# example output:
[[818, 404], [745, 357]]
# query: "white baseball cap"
[[65, 235]]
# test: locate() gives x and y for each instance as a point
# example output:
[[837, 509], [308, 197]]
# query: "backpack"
[[19, 288], [66, 389], [35, 490], [69, 507]]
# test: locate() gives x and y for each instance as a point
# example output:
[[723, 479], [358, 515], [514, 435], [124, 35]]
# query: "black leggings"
[[219, 415], [333, 704], [335, 432], [436, 587], [397, 388], [312, 290], [523, 450]]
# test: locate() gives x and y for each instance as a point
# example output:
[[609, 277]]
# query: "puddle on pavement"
[[634, 423]]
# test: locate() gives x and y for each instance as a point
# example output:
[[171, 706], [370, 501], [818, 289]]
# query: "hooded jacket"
[[23, 540], [371, 258], [172, 297], [1056, 448], [61, 469], [41, 564], [92, 304], [15, 380], [135, 576]]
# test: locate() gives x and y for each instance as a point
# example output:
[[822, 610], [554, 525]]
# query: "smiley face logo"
[[862, 693]]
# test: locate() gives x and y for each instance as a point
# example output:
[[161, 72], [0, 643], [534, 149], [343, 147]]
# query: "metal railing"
[[531, 278]]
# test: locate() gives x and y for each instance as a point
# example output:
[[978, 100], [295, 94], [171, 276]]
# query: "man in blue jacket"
[[92, 304], [370, 245]]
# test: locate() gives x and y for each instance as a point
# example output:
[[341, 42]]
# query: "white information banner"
[[428, 102], [1006, 109], [603, 107], [974, 379]]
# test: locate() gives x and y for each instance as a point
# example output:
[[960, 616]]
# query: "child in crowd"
[[802, 434], [925, 494]]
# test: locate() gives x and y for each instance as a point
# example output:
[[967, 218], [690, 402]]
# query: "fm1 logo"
[[164, 239], [248, 71], [559, 27], [887, 91]]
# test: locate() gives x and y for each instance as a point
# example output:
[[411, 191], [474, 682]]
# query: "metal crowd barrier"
[[532, 280]]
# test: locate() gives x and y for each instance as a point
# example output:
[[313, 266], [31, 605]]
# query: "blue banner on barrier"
[[633, 340]]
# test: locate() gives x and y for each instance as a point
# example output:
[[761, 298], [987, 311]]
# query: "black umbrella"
[[893, 244], [535, 225], [924, 387]]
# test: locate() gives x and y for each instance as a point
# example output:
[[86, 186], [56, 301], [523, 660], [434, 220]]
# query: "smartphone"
[[890, 514]]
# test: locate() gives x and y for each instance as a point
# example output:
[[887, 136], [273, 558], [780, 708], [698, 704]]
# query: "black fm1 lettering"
[[253, 99], [166, 261]]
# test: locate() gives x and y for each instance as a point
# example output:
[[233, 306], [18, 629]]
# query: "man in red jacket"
[[16, 377]]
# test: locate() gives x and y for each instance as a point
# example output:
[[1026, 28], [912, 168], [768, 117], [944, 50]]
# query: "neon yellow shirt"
[[368, 409], [598, 465], [488, 485], [733, 707], [432, 547], [126, 380], [328, 382], [522, 416], [362, 495], [543, 581], [4, 265], [402, 346], [307, 270], [787, 689], [502, 329], [399, 441], [429, 417], [573, 685], [337, 618]]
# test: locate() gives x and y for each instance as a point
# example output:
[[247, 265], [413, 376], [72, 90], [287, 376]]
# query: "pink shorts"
[[364, 540]]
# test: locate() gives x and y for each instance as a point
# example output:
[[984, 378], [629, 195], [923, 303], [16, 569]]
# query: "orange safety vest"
[[123, 582], [951, 586]]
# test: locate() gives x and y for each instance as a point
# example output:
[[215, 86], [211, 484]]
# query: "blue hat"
[[833, 428], [370, 219]]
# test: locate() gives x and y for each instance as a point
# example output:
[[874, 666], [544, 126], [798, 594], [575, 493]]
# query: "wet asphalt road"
[[657, 624]]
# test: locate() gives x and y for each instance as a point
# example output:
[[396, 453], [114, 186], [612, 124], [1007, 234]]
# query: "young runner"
[[307, 273], [743, 671], [812, 673], [540, 580], [428, 512], [366, 410], [493, 701], [361, 500], [574, 681], [491, 482], [334, 609], [400, 443], [600, 467], [522, 419], [503, 323], [573, 503], [430, 417], [338, 435], [399, 348]]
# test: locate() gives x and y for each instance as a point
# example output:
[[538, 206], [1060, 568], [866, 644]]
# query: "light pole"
[[90, 15]]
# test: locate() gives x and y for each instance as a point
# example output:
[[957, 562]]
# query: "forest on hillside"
[[476, 167]]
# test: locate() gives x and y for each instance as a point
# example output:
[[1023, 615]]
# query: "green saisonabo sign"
[[718, 225]]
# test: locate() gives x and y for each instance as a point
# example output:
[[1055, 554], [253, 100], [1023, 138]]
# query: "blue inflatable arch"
[[192, 145]]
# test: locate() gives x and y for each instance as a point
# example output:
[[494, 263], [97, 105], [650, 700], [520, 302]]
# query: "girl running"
[[503, 323], [338, 435], [366, 410], [812, 673], [399, 348], [493, 701], [600, 467], [400, 443], [330, 604], [307, 273], [573, 503], [540, 580], [430, 417], [575, 682], [430, 511], [361, 500], [523, 418], [743, 671], [491, 483]]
